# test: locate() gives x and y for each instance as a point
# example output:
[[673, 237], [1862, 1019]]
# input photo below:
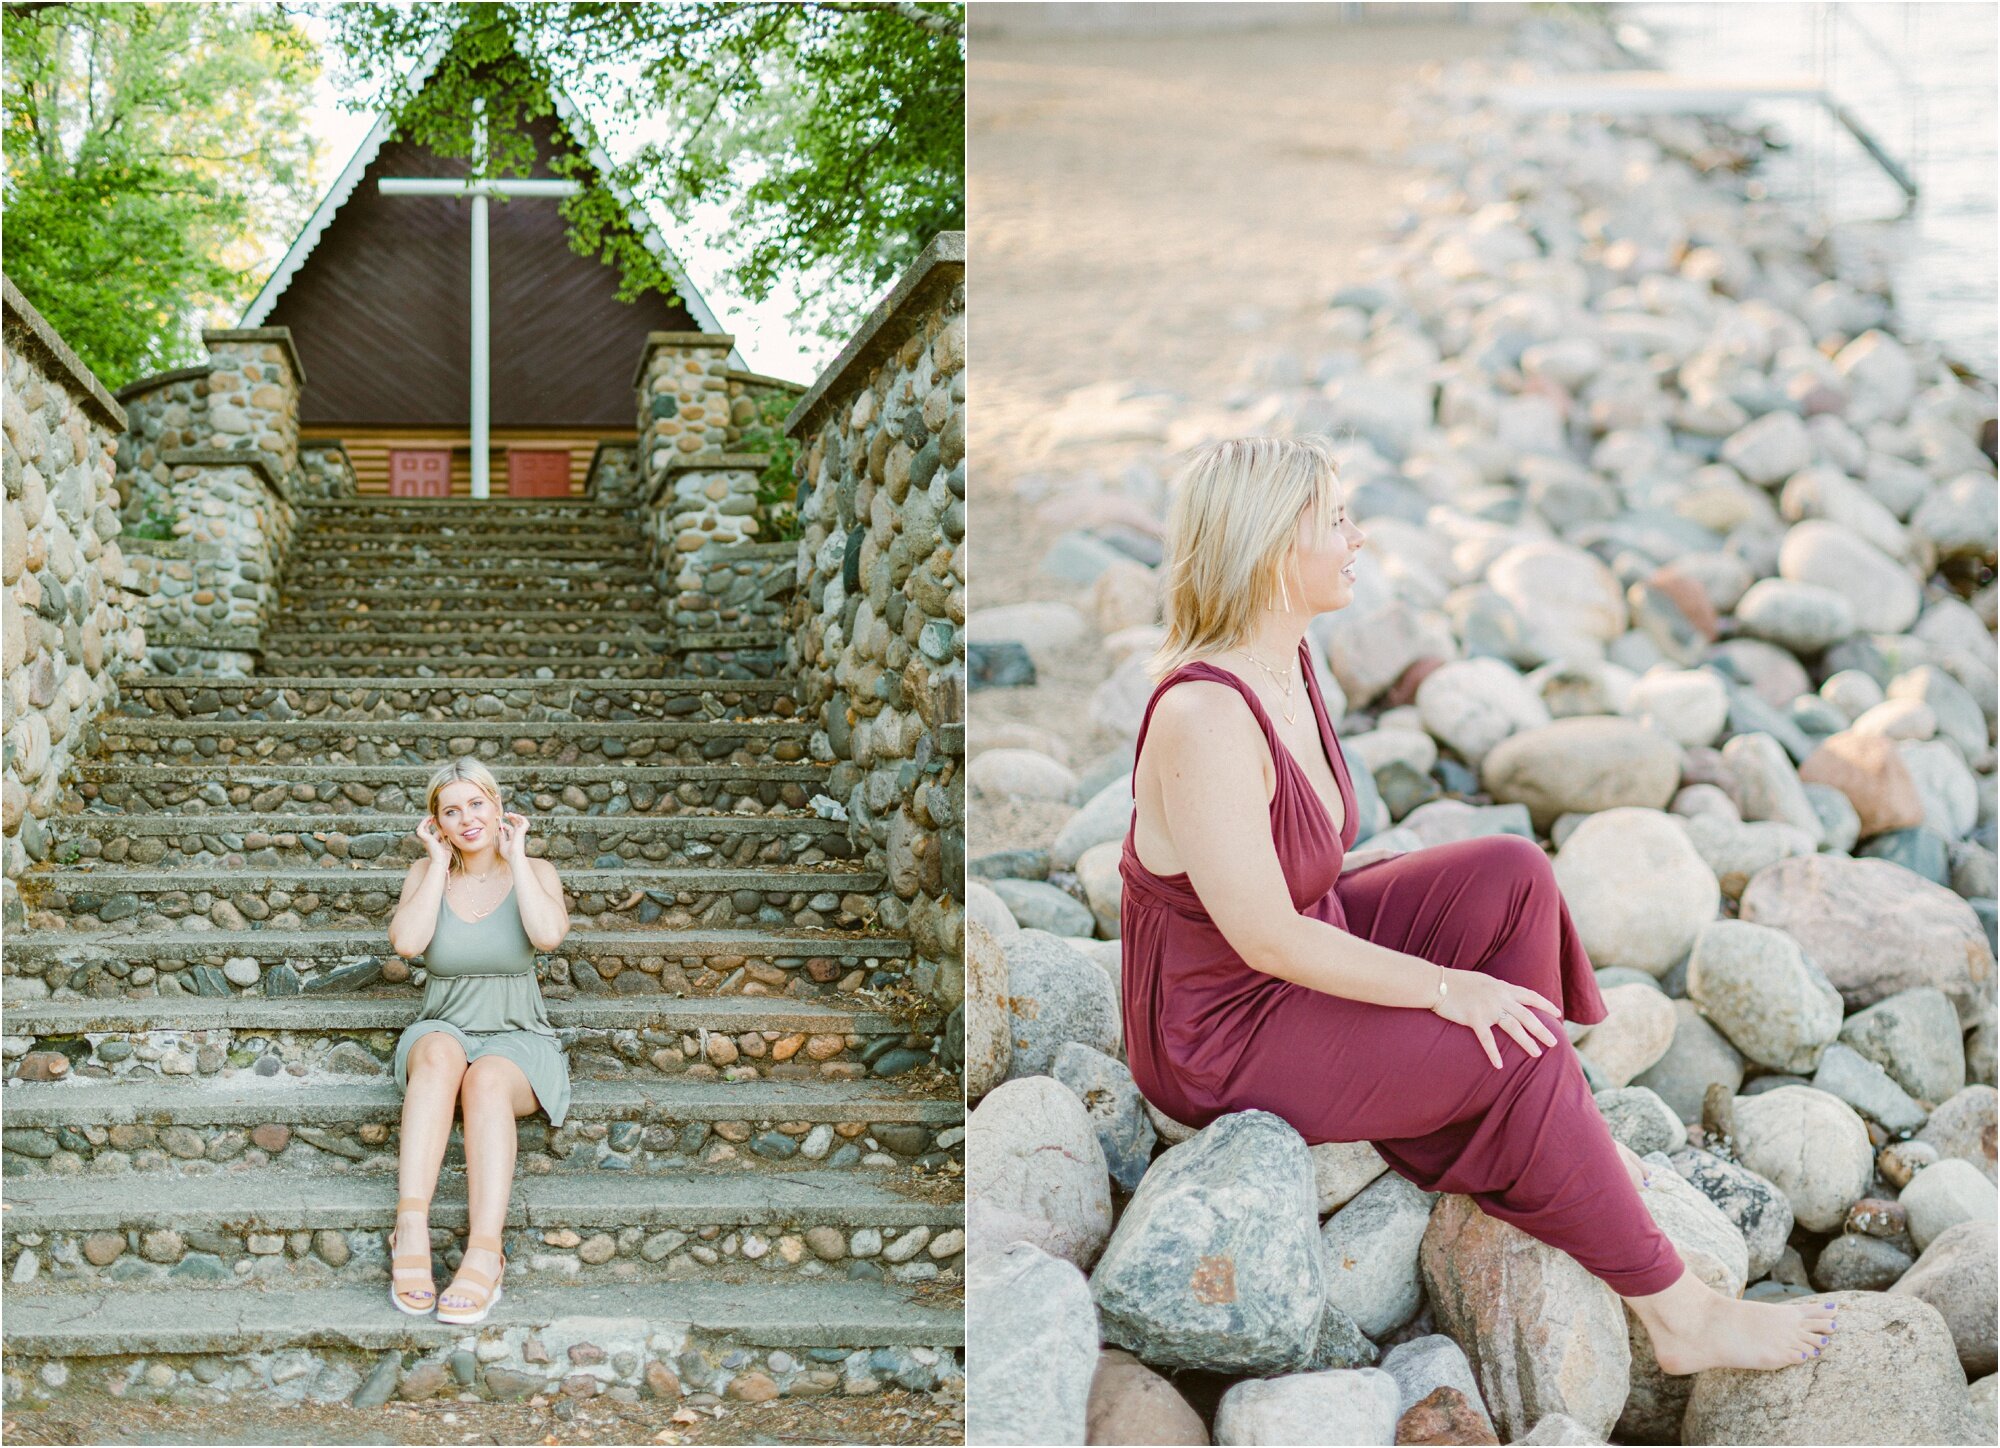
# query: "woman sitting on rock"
[[1363, 1006], [477, 908]]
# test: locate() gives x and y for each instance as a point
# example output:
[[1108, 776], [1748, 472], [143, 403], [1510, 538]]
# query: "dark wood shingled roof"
[[379, 310]]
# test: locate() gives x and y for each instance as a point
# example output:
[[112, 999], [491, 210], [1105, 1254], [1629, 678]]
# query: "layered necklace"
[[482, 914], [1285, 680]]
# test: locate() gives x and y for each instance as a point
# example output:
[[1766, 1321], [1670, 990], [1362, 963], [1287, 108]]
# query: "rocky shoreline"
[[1680, 563]]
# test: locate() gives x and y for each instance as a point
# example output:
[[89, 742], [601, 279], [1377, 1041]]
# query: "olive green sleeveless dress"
[[482, 990]]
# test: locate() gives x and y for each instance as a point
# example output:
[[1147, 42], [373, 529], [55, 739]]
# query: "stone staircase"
[[757, 1190]]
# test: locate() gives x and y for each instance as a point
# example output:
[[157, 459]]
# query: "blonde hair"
[[468, 771], [1235, 515]]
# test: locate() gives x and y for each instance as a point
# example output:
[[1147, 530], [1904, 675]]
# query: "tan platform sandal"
[[487, 1295], [409, 1267]]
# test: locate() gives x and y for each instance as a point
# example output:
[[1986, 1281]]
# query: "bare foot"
[[1709, 1330], [1634, 1166]]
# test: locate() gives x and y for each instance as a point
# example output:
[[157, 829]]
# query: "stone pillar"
[[254, 381]]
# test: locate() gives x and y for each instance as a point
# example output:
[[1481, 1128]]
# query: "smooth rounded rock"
[[1036, 1351], [1940, 1197], [1035, 1173], [1636, 1033], [1471, 705], [1963, 1127], [1636, 888], [1885, 596], [1760, 990], [1916, 1038], [989, 1027], [1812, 1146], [1132, 1404], [1371, 1247], [1957, 1274], [1582, 766], [1346, 1405], [1055, 993]]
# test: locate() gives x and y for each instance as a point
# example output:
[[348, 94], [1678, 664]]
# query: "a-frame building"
[[375, 291]]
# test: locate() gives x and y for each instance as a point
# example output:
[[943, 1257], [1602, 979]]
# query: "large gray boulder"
[[1964, 1127], [1055, 993], [1957, 1275], [1761, 991], [1876, 929], [1916, 1037], [1371, 1253], [1890, 1375], [1217, 1262], [1116, 1108], [1034, 1351]]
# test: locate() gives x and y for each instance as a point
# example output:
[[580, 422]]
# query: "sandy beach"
[[1090, 158]]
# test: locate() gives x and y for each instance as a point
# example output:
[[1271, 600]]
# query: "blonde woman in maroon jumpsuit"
[[1414, 1002]]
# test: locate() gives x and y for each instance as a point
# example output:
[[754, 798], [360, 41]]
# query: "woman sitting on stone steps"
[[1416, 1001], [477, 908]]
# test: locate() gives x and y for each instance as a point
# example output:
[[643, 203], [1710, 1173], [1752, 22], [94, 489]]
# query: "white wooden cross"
[[479, 187]]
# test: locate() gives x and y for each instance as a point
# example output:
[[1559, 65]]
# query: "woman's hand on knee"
[[1482, 1002]]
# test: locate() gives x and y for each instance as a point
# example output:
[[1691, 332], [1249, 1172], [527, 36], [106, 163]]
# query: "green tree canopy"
[[153, 151], [831, 130]]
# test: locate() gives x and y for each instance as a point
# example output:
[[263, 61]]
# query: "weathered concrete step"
[[500, 509], [311, 694], [634, 1124], [686, 841], [306, 644], [556, 596], [728, 1015], [745, 1340], [690, 641], [675, 958], [830, 894], [421, 546], [530, 788], [122, 739], [281, 1230], [422, 575], [614, 668], [371, 525], [469, 621], [352, 1037]]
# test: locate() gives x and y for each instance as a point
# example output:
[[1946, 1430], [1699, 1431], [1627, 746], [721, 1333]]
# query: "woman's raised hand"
[[513, 835], [434, 843], [1482, 1002]]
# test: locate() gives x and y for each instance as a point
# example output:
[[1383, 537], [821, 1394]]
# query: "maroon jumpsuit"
[[1205, 1034]]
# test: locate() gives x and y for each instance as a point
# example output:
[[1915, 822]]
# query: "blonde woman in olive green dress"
[[477, 908]]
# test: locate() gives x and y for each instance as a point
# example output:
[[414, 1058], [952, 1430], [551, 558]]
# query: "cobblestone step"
[[468, 622], [532, 788], [166, 957], [622, 523], [688, 841], [353, 1037], [271, 742], [525, 645], [828, 894], [425, 577], [788, 1338], [643, 1124], [555, 596], [277, 1230], [613, 668], [326, 697], [431, 544]]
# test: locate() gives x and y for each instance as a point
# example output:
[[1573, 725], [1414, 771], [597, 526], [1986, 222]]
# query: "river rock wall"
[[69, 625], [878, 617]]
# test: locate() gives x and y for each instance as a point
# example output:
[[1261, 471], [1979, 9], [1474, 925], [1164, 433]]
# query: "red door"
[[537, 472], [419, 472]]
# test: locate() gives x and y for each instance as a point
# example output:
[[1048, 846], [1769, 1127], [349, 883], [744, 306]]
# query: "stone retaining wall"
[[69, 626], [211, 459], [877, 622]]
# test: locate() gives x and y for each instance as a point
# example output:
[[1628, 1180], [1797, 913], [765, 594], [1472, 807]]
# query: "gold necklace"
[[1286, 683], [481, 915]]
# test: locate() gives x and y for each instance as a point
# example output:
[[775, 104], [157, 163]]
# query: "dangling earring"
[[1284, 593]]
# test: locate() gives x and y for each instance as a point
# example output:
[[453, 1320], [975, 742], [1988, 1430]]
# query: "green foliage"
[[832, 130], [154, 152], [777, 485]]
